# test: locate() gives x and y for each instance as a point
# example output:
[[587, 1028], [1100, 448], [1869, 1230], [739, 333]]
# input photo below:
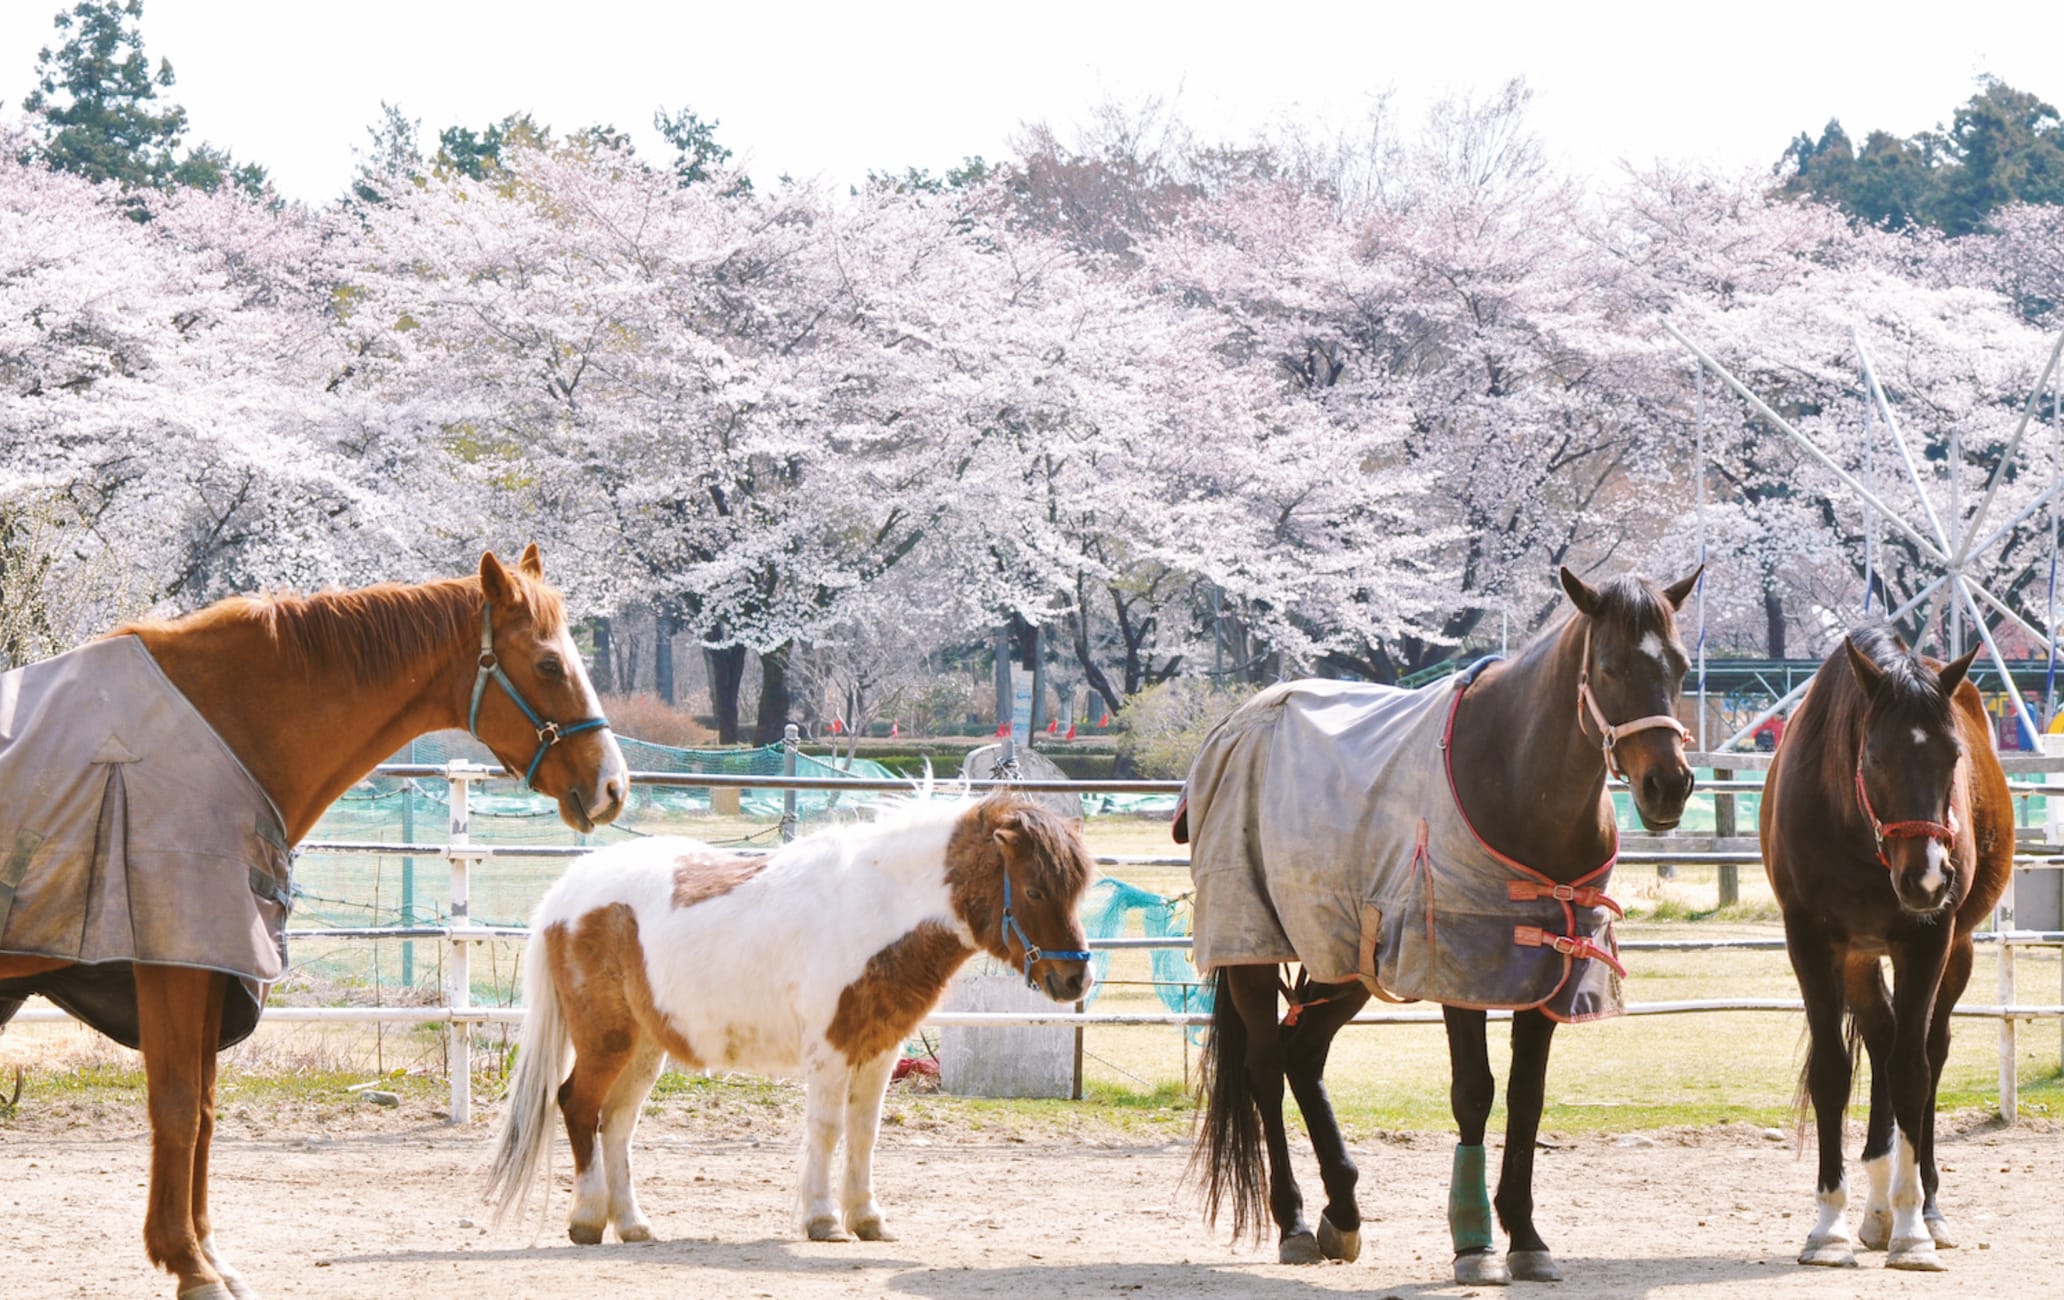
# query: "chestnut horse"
[[1528, 744], [821, 957], [1888, 830], [310, 694]]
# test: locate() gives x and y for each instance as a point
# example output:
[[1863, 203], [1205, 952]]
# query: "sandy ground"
[[388, 1206]]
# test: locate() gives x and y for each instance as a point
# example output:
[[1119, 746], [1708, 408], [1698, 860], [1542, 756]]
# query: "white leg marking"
[[1876, 1231], [863, 1124], [1912, 1247], [620, 1111], [826, 1086], [590, 1213], [1832, 1223]]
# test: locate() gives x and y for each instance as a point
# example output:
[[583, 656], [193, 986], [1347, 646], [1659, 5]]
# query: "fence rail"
[[458, 1014]]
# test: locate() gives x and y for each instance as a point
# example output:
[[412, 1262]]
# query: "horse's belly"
[[762, 1040]]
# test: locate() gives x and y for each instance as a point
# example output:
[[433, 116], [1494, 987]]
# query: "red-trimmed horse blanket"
[[130, 833], [1325, 830]]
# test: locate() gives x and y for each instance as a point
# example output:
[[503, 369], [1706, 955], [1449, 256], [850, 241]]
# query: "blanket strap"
[[1529, 891], [1298, 998], [1533, 936]]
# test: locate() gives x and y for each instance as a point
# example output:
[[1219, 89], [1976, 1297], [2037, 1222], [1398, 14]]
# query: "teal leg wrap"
[[1469, 1202]]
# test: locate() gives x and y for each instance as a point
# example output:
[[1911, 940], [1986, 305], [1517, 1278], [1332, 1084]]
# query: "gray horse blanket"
[[130, 833], [1325, 830]]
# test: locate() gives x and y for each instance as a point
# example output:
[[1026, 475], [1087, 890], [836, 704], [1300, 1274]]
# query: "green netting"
[[1108, 912]]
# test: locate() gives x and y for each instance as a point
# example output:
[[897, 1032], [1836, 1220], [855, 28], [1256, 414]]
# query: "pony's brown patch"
[[901, 984], [705, 873], [1046, 848], [598, 967], [371, 634]]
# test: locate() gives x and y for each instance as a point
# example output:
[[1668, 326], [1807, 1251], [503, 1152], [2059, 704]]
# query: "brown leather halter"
[[1615, 734]]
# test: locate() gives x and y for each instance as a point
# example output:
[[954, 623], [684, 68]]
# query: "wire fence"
[[392, 918]]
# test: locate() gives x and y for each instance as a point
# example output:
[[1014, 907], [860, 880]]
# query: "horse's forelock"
[[1632, 606]]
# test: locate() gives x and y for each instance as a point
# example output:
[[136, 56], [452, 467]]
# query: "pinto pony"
[[308, 695], [821, 957], [1450, 844], [1888, 830]]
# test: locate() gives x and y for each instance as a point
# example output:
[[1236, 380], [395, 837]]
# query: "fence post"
[[459, 996], [408, 873], [791, 740], [2009, 1078], [1723, 824]]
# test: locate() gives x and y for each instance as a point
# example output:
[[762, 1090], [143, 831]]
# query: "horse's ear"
[[1868, 674], [1952, 675], [1009, 837], [533, 562], [1677, 591], [495, 582], [1583, 597]]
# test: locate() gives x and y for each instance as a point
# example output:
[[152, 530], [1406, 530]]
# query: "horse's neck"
[[1528, 773], [305, 737]]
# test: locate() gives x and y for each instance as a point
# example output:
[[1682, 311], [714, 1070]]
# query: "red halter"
[[1941, 833], [1615, 734]]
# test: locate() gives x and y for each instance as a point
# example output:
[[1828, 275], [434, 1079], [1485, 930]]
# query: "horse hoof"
[[1335, 1244], [871, 1230], [1914, 1254], [1828, 1252], [584, 1234], [1532, 1266], [825, 1228], [1875, 1232], [1299, 1248], [1485, 1269], [630, 1232], [208, 1291], [1938, 1228]]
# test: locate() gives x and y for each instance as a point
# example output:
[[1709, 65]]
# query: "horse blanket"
[[129, 832], [1326, 830]]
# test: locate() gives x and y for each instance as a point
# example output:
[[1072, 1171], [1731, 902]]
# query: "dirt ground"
[[388, 1205]]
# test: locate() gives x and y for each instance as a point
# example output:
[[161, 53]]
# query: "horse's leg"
[[604, 1036], [1253, 990], [1955, 976], [825, 1087], [204, 1227], [1818, 962], [1871, 1003], [1305, 1048], [1471, 1090], [172, 1006], [864, 1092], [620, 1111], [1918, 966], [1526, 1092]]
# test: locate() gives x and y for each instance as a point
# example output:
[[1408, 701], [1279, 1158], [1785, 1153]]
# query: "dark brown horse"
[[1888, 830], [1528, 745], [310, 694]]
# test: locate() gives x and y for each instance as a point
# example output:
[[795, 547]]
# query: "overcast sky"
[[831, 90]]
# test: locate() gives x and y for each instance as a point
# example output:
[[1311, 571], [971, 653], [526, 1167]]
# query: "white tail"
[[526, 1135]]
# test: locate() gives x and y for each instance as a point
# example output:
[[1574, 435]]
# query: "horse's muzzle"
[[1068, 981]]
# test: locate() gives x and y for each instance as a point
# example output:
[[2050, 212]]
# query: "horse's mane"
[[371, 633], [1833, 727], [1629, 608]]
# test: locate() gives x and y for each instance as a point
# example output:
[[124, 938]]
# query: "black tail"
[[1226, 1158]]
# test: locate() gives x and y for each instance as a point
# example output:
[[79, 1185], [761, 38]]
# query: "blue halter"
[[548, 733], [1033, 952]]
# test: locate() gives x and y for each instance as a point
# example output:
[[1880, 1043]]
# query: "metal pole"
[[459, 994], [1876, 395], [1699, 477], [1999, 660], [1999, 471], [408, 874], [791, 741], [2009, 1074], [1963, 534], [1779, 423]]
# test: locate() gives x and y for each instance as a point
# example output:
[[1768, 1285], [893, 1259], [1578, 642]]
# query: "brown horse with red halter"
[[308, 695], [1518, 791], [1884, 731]]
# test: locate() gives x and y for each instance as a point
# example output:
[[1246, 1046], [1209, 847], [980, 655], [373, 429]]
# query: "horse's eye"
[[551, 667], [1034, 893]]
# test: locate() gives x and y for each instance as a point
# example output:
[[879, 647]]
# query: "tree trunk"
[[663, 656], [774, 701], [1773, 614], [605, 658], [727, 675], [1094, 675]]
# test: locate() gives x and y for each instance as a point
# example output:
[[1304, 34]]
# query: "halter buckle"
[[548, 735]]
